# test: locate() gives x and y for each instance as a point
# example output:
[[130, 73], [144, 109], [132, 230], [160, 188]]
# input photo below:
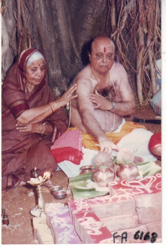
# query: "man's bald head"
[[102, 54], [101, 39]]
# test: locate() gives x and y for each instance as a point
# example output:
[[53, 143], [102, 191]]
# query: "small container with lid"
[[60, 194], [5, 220], [86, 169], [55, 188]]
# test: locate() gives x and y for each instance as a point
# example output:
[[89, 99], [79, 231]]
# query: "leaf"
[[148, 169]]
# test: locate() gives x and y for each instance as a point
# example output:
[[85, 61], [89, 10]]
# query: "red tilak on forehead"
[[104, 49]]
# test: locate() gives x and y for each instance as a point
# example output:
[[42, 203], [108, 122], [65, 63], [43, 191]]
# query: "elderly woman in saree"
[[32, 118]]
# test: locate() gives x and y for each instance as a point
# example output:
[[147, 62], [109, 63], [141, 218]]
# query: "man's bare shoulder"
[[118, 67], [118, 72], [84, 73], [84, 76]]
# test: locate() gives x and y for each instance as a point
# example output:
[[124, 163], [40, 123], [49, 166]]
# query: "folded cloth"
[[91, 143], [61, 224], [68, 147], [137, 141]]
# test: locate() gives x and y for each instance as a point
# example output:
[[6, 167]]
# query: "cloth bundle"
[[68, 147], [156, 102], [155, 145]]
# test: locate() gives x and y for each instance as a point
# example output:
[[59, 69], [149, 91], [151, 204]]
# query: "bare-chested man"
[[104, 94]]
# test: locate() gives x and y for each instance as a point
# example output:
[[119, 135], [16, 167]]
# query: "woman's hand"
[[68, 95], [24, 128], [100, 102], [30, 128]]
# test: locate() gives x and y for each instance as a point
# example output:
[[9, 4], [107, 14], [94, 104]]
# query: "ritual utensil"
[[103, 175], [152, 121], [127, 172], [5, 219], [86, 169], [60, 194], [41, 203], [55, 188]]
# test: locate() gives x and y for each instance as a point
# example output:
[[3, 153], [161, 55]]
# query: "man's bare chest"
[[110, 91]]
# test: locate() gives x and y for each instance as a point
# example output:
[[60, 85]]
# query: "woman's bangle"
[[51, 108], [44, 128]]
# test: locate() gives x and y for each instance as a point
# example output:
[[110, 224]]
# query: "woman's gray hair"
[[35, 57]]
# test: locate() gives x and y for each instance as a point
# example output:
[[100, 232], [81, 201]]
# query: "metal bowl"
[[55, 188], [86, 169], [60, 194]]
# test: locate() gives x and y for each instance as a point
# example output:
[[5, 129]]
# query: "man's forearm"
[[93, 127], [123, 108]]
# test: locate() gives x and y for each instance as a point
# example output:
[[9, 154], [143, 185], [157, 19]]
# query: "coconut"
[[103, 159], [125, 156]]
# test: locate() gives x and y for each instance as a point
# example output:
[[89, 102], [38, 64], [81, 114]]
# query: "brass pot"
[[103, 175], [127, 172]]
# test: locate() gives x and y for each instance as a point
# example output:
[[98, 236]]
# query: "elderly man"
[[104, 94]]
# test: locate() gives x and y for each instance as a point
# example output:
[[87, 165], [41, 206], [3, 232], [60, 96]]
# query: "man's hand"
[[100, 101], [107, 146]]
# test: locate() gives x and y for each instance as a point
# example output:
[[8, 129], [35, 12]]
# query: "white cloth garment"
[[138, 141]]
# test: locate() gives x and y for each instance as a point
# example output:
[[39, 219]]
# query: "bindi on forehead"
[[105, 49], [40, 64]]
